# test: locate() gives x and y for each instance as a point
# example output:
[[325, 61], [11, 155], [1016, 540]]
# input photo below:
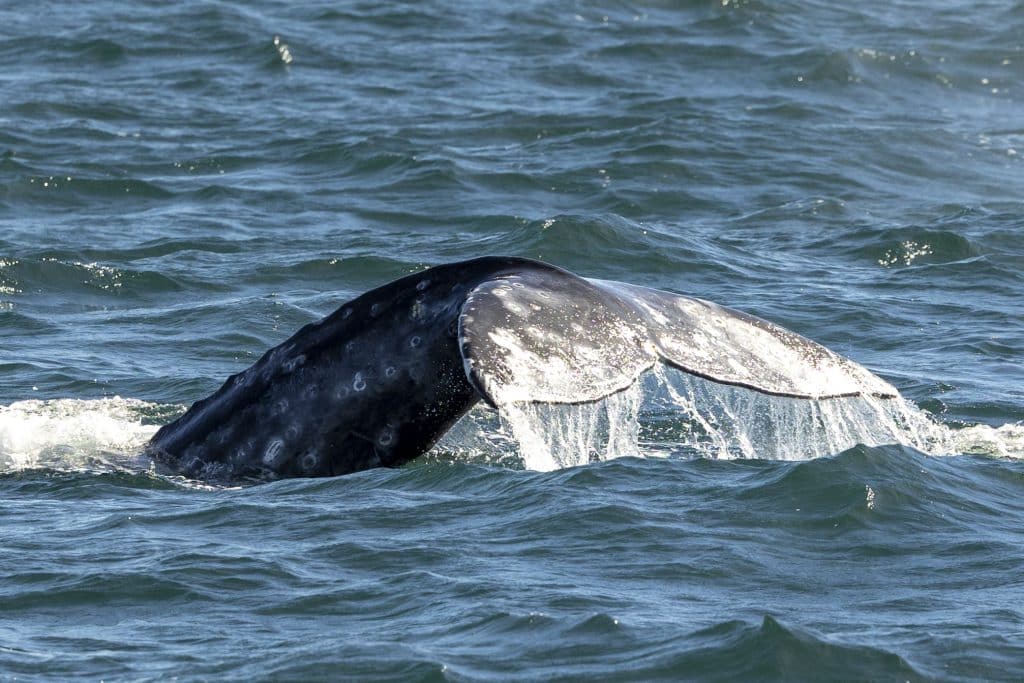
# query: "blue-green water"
[[178, 192]]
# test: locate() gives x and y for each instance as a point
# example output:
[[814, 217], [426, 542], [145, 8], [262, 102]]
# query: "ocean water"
[[183, 185]]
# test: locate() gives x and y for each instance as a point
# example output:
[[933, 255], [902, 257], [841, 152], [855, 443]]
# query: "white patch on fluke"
[[735, 348]]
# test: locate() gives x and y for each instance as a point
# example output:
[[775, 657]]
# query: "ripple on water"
[[176, 197]]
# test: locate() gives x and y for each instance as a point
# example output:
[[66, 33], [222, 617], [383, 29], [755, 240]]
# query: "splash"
[[1006, 441], [669, 412], [553, 436], [724, 421], [72, 433], [665, 413]]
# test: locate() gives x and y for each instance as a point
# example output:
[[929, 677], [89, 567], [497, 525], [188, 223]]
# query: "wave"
[[601, 646], [73, 276]]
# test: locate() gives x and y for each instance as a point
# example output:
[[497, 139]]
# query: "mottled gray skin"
[[376, 383]]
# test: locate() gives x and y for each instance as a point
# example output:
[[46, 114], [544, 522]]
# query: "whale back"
[[375, 383]]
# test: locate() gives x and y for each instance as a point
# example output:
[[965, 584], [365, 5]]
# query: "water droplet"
[[358, 383], [422, 284], [282, 50], [389, 371], [415, 341]]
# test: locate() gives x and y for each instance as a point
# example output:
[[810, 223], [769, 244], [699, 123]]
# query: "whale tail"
[[380, 380], [551, 337]]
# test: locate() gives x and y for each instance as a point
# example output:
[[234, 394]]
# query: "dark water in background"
[[178, 192]]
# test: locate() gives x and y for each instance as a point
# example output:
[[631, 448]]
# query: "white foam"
[[71, 433], [1006, 441]]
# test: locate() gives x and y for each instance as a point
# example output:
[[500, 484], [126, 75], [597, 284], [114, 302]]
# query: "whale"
[[380, 380]]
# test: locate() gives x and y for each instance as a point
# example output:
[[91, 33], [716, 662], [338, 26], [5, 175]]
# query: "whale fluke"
[[551, 337], [380, 380]]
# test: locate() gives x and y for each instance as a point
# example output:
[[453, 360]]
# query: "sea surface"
[[183, 185]]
